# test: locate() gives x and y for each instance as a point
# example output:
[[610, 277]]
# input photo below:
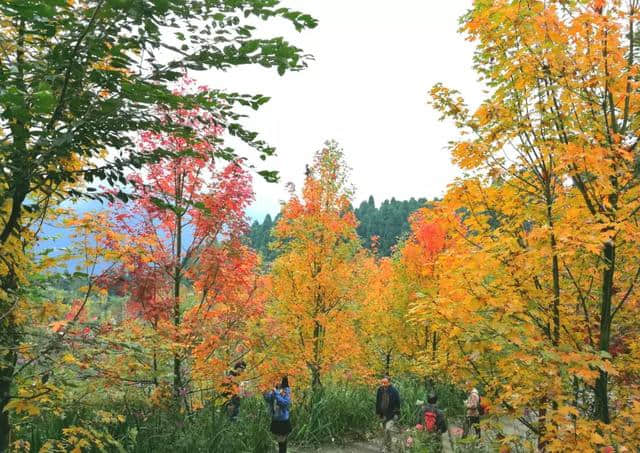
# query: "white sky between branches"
[[375, 62]]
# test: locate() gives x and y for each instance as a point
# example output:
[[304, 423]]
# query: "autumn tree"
[[315, 289], [387, 338], [418, 272], [542, 278], [182, 258]]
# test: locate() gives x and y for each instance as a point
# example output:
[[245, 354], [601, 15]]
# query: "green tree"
[[79, 78]]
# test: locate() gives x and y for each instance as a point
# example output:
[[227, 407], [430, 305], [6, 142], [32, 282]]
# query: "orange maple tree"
[[316, 283]]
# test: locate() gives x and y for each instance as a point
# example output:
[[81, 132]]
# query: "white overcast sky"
[[367, 88]]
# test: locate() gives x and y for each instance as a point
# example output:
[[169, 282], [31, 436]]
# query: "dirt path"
[[360, 447], [363, 447], [509, 427]]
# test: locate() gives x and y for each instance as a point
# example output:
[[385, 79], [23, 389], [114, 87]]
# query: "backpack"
[[430, 424], [481, 407]]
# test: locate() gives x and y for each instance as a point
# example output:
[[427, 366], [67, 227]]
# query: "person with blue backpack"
[[279, 407]]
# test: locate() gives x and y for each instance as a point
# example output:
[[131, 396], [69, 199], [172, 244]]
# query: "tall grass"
[[340, 415]]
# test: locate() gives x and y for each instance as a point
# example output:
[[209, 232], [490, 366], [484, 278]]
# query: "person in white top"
[[472, 404]]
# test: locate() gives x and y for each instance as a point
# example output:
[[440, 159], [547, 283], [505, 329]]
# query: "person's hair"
[[284, 383], [432, 398]]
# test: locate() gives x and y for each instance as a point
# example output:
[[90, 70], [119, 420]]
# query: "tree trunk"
[[387, 363], [601, 389], [555, 269], [177, 280], [6, 378], [9, 340], [10, 335], [177, 362], [316, 382], [434, 346], [542, 429], [155, 369]]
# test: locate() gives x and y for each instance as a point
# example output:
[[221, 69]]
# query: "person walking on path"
[[388, 409], [472, 420], [431, 419], [279, 403]]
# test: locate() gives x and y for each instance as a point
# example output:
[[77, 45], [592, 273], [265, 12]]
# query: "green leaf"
[[269, 175]]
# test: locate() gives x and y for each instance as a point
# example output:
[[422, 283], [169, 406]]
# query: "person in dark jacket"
[[387, 408], [430, 413], [232, 404], [279, 404]]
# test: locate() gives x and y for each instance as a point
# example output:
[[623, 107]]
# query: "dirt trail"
[[509, 427], [360, 447], [363, 447]]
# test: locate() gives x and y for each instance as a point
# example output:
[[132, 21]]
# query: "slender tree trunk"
[[316, 373], [542, 429], [434, 346], [177, 280], [601, 389], [555, 271], [554, 329], [155, 368], [316, 382], [177, 362]]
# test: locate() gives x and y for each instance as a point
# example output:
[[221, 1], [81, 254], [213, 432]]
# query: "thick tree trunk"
[[9, 332], [6, 378], [9, 341]]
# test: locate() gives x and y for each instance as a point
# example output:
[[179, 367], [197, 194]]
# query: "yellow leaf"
[[597, 439]]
